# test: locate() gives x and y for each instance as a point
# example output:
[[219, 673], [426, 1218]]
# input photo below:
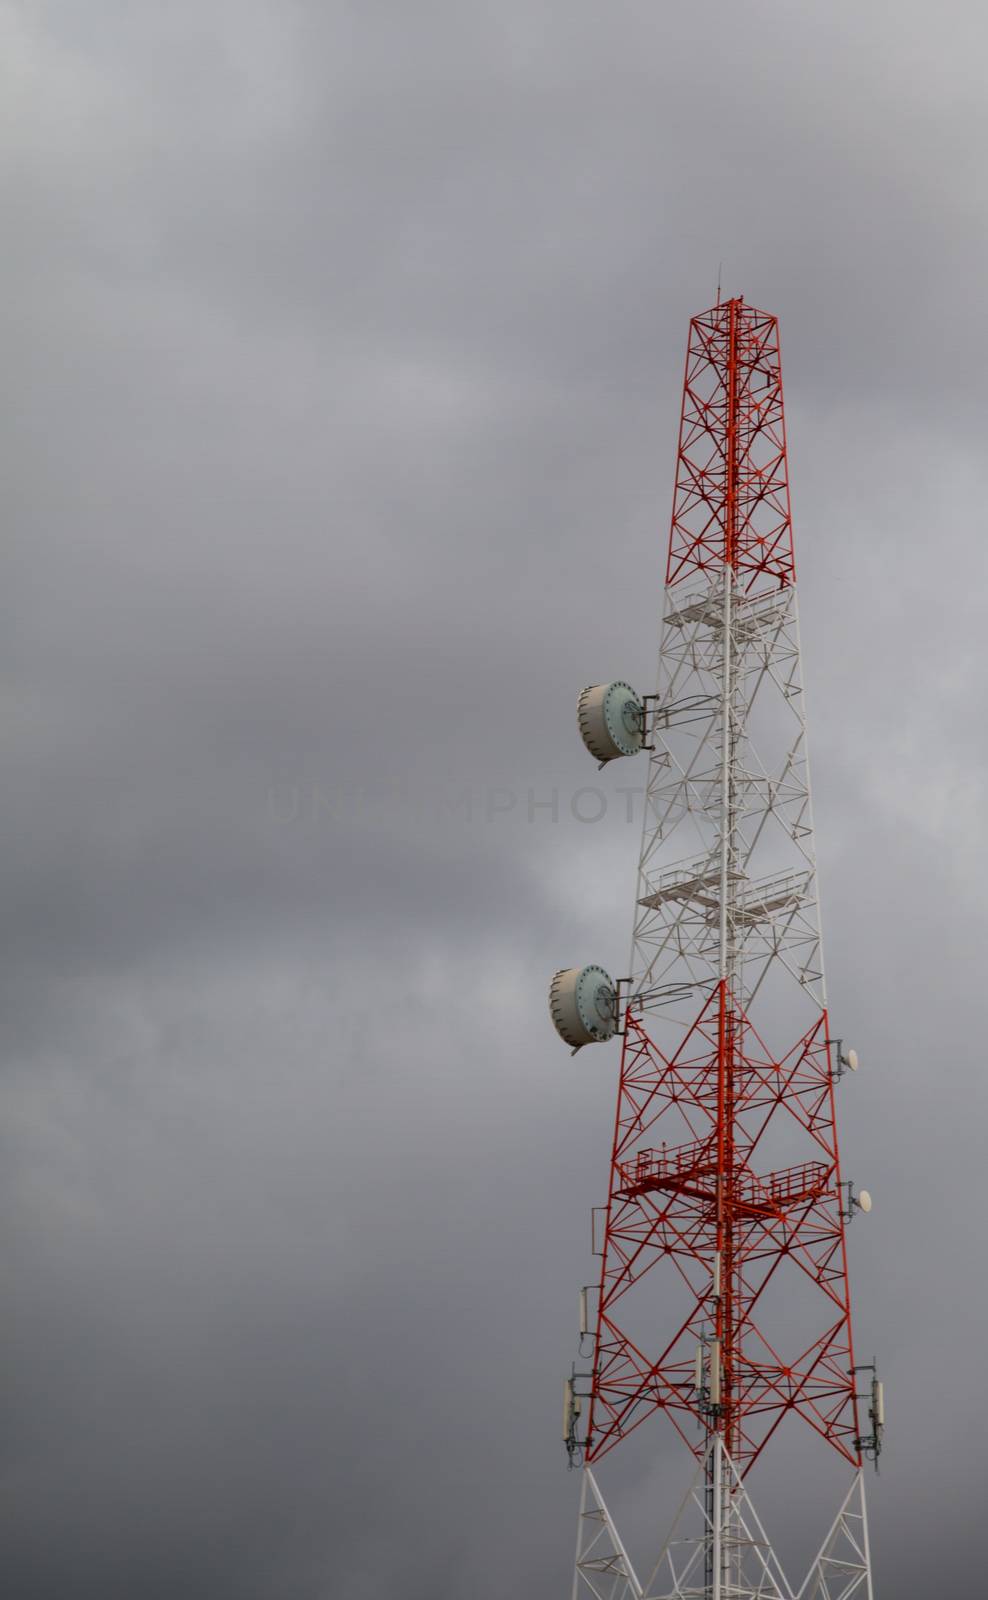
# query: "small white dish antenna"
[[855, 1202], [846, 1060]]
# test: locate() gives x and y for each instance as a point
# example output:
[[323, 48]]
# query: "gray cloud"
[[344, 344]]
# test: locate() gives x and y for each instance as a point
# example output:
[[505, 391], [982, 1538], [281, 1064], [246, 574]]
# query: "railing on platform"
[[689, 1169]]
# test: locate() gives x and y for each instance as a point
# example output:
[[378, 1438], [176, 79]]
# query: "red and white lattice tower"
[[723, 1300]]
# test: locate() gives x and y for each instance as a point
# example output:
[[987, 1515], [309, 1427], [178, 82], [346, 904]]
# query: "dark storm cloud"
[[344, 346]]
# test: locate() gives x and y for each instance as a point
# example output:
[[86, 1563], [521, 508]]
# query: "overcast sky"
[[342, 352]]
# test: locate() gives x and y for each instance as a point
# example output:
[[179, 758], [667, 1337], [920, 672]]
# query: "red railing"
[[684, 1165]]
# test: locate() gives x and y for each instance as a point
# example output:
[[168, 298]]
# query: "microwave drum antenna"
[[583, 1005], [612, 720]]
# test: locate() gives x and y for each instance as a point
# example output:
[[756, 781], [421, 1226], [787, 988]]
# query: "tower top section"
[[731, 503]]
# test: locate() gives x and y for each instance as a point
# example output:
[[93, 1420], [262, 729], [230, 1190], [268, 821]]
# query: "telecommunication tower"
[[722, 1298]]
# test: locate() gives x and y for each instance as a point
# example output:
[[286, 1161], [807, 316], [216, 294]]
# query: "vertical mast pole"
[[723, 1270]]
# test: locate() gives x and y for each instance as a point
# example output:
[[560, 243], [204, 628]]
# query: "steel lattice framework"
[[723, 1291]]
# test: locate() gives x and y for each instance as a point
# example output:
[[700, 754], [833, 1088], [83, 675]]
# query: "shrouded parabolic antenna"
[[583, 1005], [612, 720]]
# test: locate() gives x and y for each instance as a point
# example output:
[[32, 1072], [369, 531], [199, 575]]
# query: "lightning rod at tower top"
[[720, 1306]]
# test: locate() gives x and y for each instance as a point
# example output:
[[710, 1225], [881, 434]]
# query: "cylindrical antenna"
[[715, 1372], [571, 1411]]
